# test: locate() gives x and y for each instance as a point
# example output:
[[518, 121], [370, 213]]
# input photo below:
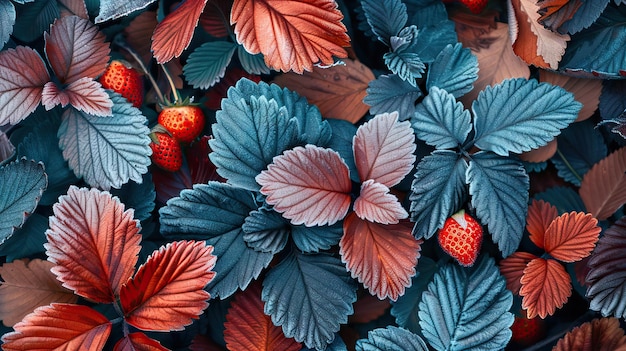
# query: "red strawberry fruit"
[[125, 80], [185, 121], [166, 152], [476, 6], [461, 238], [526, 331]]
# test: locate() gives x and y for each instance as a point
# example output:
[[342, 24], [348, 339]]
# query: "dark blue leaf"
[[580, 146], [34, 18], [612, 102], [138, 196], [432, 39], [454, 70], [499, 189], [207, 64], [336, 345], [441, 121], [343, 132], [585, 16], [519, 115], [389, 93], [437, 191], [314, 239], [215, 212], [7, 20], [565, 199], [266, 231], [28, 240], [467, 308], [309, 296], [407, 65], [391, 339], [253, 64], [385, 17], [535, 166]]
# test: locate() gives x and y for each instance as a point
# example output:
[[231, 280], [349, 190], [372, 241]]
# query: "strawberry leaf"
[[23, 74], [512, 268], [376, 204], [93, 242], [382, 257], [599, 334], [7, 20], [389, 93], [391, 338], [59, 327], [571, 236], [546, 286], [34, 19], [138, 341], [314, 239], [28, 240], [172, 35], [540, 216], [454, 70], [85, 95], [207, 64], [603, 189], [308, 185], [266, 231], [386, 18], [110, 10]]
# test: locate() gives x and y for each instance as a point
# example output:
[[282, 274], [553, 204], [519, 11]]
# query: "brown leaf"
[[214, 19], [73, 7], [601, 334], [603, 188], [540, 216], [28, 285], [337, 91], [540, 154], [473, 30], [138, 341], [512, 269], [368, 308], [138, 34], [546, 286], [586, 91], [571, 236]]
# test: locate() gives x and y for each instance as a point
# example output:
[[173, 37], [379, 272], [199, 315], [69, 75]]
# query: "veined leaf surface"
[[386, 18], [266, 231], [571, 236], [599, 334], [376, 204], [391, 338], [546, 286], [454, 70], [540, 216], [138, 341], [389, 93], [110, 10], [207, 64], [603, 189], [512, 268], [172, 35]]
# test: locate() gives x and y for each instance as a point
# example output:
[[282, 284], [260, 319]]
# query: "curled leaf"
[[376, 204], [546, 286]]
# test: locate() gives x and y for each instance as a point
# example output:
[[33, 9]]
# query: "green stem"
[[569, 166], [177, 97]]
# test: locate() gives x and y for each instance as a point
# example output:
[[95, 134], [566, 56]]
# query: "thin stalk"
[[569, 166], [177, 97]]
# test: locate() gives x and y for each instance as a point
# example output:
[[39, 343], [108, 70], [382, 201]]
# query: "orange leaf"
[[247, 328], [172, 36], [382, 257], [376, 204], [93, 242], [291, 35], [540, 216], [59, 327], [138, 342], [337, 91], [603, 188], [28, 285], [599, 334], [512, 269], [586, 91], [571, 236], [168, 290], [546, 286]]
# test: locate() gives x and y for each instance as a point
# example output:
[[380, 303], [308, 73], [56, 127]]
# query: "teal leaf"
[[138, 196], [337, 345], [612, 102], [298, 298], [253, 64], [215, 212], [565, 199], [437, 191], [207, 64], [113, 9], [580, 146], [499, 190], [385, 17], [343, 133], [534, 166], [454, 70], [314, 239], [265, 231], [7, 20], [248, 136], [441, 121], [407, 65], [21, 184], [34, 18], [28, 240], [519, 115], [467, 308], [430, 40], [391, 339], [426, 13], [584, 16], [106, 151], [389, 93]]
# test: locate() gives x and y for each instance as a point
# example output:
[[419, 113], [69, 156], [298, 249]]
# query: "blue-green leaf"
[[337, 345], [299, 298], [138, 196], [343, 133], [467, 308], [28, 240], [426, 13], [21, 184], [112, 9], [215, 212], [266, 231], [7, 20], [314, 239], [454, 70], [519, 115], [253, 64], [437, 191], [248, 136], [34, 18], [580, 146], [584, 16], [565, 199], [391, 339], [430, 40], [207, 64], [612, 102], [106, 151], [407, 65], [441, 121], [385, 17], [499, 189], [389, 93]]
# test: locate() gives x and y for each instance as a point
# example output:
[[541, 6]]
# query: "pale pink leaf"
[[73, 7], [383, 149], [309, 185], [172, 36], [84, 94], [376, 204], [23, 74], [53, 95]]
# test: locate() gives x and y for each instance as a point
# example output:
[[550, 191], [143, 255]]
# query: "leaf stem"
[[177, 97], [569, 166]]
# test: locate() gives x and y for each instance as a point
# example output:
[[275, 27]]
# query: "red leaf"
[[138, 342], [215, 95], [603, 188], [291, 35], [73, 7], [382, 257], [383, 149], [59, 327], [168, 290], [84, 94], [546, 286], [172, 36], [23, 74], [204, 343], [309, 185], [76, 49], [599, 334], [540, 216], [215, 20], [376, 204], [571, 236], [512, 269], [93, 242], [248, 328]]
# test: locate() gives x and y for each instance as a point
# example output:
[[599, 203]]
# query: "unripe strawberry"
[[125, 80], [185, 121], [166, 152], [461, 238]]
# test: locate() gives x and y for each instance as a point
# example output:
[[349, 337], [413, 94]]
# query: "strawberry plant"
[[312, 175]]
